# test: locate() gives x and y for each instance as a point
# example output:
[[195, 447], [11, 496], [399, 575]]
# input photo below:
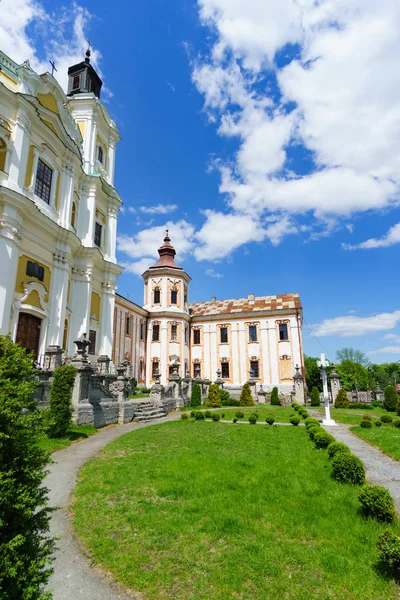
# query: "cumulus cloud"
[[159, 209], [214, 274], [385, 350], [352, 325], [392, 237]]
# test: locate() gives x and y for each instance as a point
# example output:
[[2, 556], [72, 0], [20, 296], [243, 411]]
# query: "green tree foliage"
[[315, 399], [349, 372], [195, 399], [246, 399], [341, 400], [25, 550], [60, 412], [213, 399], [312, 373], [275, 397], [353, 355], [390, 399]]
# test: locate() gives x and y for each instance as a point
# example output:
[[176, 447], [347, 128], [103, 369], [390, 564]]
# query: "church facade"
[[257, 338], [58, 209]]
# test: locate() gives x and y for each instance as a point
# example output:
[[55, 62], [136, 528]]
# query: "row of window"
[[225, 369], [128, 327], [252, 334], [173, 296]]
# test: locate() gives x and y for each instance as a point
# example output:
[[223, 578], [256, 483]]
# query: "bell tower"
[[83, 79]]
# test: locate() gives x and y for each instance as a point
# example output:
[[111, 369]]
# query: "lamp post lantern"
[[323, 364]]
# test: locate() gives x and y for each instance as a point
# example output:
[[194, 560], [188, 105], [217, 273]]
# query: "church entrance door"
[[28, 332]]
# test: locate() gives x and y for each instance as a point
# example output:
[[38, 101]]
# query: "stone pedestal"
[[335, 384], [103, 365], [252, 385], [205, 386], [298, 386], [53, 358]]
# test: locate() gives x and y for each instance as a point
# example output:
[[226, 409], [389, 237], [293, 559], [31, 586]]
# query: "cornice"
[[247, 315]]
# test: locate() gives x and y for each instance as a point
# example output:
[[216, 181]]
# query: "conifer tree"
[[195, 399], [214, 396], [275, 397], [390, 398], [341, 400], [315, 399], [60, 401], [246, 399]]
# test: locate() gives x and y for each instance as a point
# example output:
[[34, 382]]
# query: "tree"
[[312, 373], [213, 399], [315, 398], [342, 399], [246, 399], [390, 398], [195, 399], [275, 397], [353, 355], [25, 549], [349, 372], [60, 412]]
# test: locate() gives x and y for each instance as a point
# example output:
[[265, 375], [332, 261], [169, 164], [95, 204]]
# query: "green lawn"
[[76, 432], [350, 416], [281, 413], [386, 438], [195, 510], [139, 395]]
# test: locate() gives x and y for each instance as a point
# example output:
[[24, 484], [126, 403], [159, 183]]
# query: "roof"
[[245, 305], [167, 255]]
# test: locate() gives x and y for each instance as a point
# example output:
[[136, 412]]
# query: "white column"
[[164, 362], [10, 236], [107, 318], [265, 352], [111, 161], [66, 193], [93, 144], [111, 234], [87, 215], [58, 299], [87, 143], [20, 149], [81, 295], [271, 330], [149, 353], [35, 161]]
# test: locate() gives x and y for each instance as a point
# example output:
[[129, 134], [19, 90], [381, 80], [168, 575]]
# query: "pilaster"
[[10, 236]]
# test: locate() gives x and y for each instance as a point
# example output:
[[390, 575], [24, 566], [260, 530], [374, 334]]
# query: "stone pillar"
[[82, 410], [103, 365], [81, 292], [58, 298], [298, 386], [252, 385], [107, 317], [53, 358], [379, 395], [176, 380], [219, 381], [204, 388], [335, 383], [66, 194], [111, 234], [10, 237], [157, 390], [20, 150], [261, 394]]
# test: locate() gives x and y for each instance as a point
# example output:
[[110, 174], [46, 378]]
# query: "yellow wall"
[[48, 101], [8, 81], [22, 277], [82, 126], [95, 306]]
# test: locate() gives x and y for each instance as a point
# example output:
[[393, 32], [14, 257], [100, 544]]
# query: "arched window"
[[157, 295]]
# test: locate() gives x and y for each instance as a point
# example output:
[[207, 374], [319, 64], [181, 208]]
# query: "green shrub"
[[195, 399], [396, 422], [389, 552], [337, 447], [256, 415], [214, 396], [366, 424], [246, 399], [193, 413], [311, 421], [348, 468], [60, 411], [386, 419], [315, 397], [341, 400], [295, 420], [222, 415], [377, 502], [275, 400], [234, 420], [184, 416], [199, 416], [322, 438], [296, 407], [305, 414], [312, 431], [24, 516], [367, 417], [252, 419], [208, 414], [390, 398], [215, 417], [239, 414], [225, 398], [270, 419], [378, 423]]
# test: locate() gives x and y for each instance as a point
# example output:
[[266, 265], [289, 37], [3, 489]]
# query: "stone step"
[[145, 418]]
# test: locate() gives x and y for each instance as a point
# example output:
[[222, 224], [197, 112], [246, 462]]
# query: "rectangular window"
[[97, 234], [156, 333], [92, 342], [224, 335], [174, 333], [100, 154], [196, 336], [44, 175], [154, 370], [225, 370], [157, 296], [76, 82], [128, 325], [174, 297], [142, 331], [35, 270], [186, 335], [197, 370], [255, 369], [283, 332], [252, 333]]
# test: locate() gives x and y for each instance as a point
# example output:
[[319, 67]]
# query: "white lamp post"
[[323, 364]]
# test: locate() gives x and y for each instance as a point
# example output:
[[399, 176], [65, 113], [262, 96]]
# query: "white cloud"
[[159, 209], [351, 325], [392, 336], [392, 237], [385, 350], [214, 274]]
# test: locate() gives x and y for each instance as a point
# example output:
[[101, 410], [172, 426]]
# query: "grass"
[[197, 510], [281, 413], [386, 438], [75, 432], [350, 416]]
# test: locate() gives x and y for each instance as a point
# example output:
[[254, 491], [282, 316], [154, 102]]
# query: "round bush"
[[312, 431], [377, 502], [234, 420], [255, 414], [270, 419], [337, 447], [215, 417], [311, 421], [378, 423], [199, 416], [239, 414], [222, 415], [305, 414], [389, 552], [184, 416], [252, 419], [296, 407], [366, 424], [208, 414], [193, 413], [367, 417], [348, 468], [295, 420], [386, 419], [322, 438], [396, 422]]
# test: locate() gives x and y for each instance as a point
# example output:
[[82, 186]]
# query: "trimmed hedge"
[[295, 421], [214, 396], [390, 399], [378, 423], [215, 417], [199, 416], [310, 421], [312, 431], [195, 399], [396, 422], [366, 424], [60, 412], [322, 439], [246, 399], [377, 502], [315, 397], [184, 416], [270, 419], [348, 468], [386, 419], [275, 401], [342, 399], [252, 419], [336, 448], [389, 552]]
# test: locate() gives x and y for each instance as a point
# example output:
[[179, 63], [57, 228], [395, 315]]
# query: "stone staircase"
[[147, 410]]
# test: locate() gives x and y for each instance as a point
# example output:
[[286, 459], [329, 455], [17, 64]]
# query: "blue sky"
[[264, 133]]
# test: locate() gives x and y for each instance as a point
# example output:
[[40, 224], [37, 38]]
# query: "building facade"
[[58, 209], [254, 337]]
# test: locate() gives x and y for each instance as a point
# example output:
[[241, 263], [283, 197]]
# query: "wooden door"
[[28, 332]]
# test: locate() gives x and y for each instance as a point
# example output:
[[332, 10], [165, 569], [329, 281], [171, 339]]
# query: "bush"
[[60, 411], [24, 516], [322, 438], [377, 502], [366, 424], [222, 415], [199, 416], [256, 415], [184, 416], [386, 419], [314, 397], [396, 422], [341, 400], [252, 419], [348, 468], [295, 420], [214, 396], [195, 399], [390, 398], [312, 431], [208, 414], [337, 447], [389, 552], [270, 419], [275, 400], [311, 421], [225, 398], [296, 407], [378, 423], [246, 399], [234, 420], [304, 414], [215, 417], [239, 414], [367, 417]]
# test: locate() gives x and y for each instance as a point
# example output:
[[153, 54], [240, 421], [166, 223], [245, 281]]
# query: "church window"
[[225, 370], [92, 342], [174, 296], [142, 331], [100, 154], [73, 214], [155, 368], [44, 176], [224, 335], [174, 333], [128, 325], [157, 295], [197, 370], [156, 333], [185, 297], [252, 333], [186, 335], [283, 332], [196, 336], [255, 369], [76, 82], [97, 234], [35, 270]]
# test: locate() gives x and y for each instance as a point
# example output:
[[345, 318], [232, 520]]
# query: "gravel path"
[[73, 576]]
